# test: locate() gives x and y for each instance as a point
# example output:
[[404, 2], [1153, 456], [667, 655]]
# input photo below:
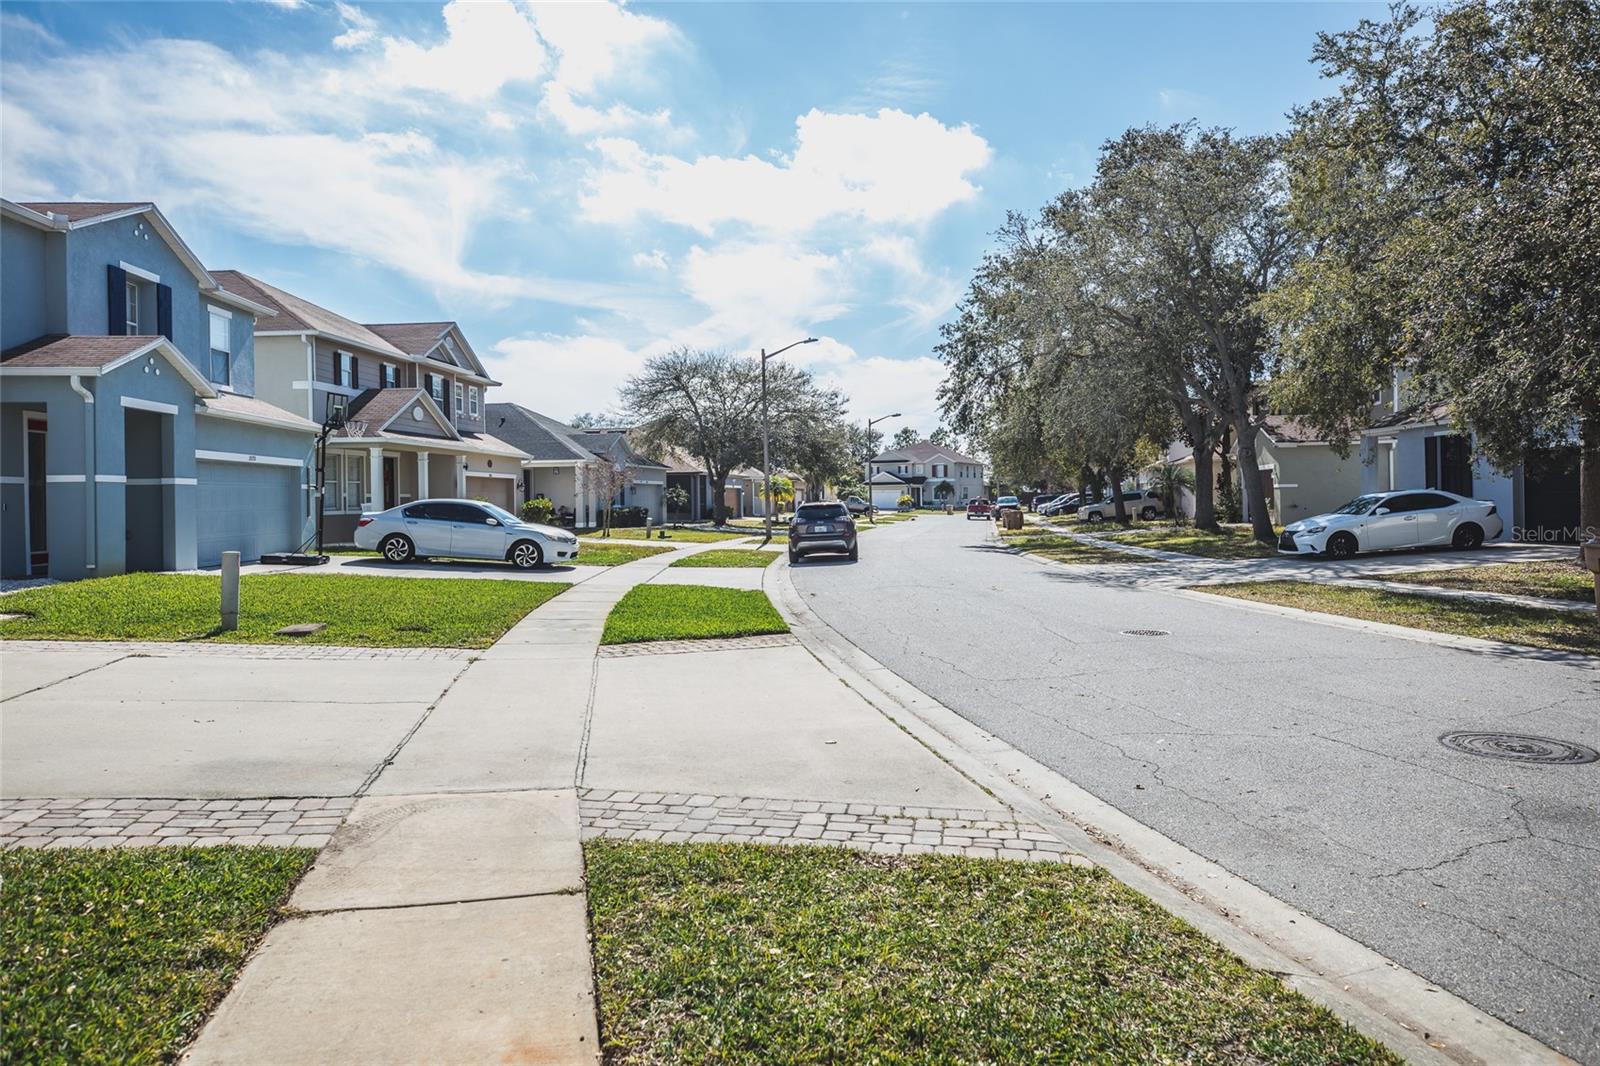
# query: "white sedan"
[[1388, 521], [462, 529]]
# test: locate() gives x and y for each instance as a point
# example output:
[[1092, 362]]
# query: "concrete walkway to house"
[[445, 919]]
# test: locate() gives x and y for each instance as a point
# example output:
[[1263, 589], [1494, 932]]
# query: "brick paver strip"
[[300, 822], [171, 649], [678, 647], [884, 829]]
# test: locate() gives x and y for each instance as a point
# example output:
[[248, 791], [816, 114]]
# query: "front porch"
[[372, 476]]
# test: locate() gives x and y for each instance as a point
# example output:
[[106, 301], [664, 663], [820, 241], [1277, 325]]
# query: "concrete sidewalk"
[[446, 921]]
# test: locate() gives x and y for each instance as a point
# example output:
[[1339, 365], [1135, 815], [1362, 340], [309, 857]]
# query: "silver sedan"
[[462, 529]]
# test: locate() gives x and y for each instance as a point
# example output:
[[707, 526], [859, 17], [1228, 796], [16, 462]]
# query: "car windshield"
[[820, 512], [501, 513], [1008, 499], [1359, 505]]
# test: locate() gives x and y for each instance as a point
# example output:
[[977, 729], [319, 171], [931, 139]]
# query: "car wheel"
[[1148, 514], [1467, 537], [397, 548], [855, 552], [1341, 546], [794, 557], [525, 555], [1096, 516]]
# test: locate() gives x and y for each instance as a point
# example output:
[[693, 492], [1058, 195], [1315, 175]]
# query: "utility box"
[[1011, 518]]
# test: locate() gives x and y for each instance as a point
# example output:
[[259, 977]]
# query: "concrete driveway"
[[1303, 757]]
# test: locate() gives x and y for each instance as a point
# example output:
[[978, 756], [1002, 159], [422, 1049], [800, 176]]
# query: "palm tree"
[[1171, 481]]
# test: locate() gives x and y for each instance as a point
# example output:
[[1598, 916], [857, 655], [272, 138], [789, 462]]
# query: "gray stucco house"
[[931, 474], [560, 464], [130, 434]]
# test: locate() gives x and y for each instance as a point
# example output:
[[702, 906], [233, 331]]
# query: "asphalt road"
[[1301, 756]]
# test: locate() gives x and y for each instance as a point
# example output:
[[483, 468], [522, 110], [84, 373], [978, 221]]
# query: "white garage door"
[[497, 490], [246, 508]]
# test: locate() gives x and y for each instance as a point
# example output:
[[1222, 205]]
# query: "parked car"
[[822, 527], [1005, 503], [462, 529], [1067, 501], [1142, 502], [979, 509], [1383, 521], [856, 505]]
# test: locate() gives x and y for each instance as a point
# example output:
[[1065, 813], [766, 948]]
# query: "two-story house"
[[130, 434], [415, 404], [931, 474]]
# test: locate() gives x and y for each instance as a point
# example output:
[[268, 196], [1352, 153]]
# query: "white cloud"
[[651, 260], [584, 120], [887, 168], [752, 289], [489, 44], [557, 375], [360, 29], [594, 39]]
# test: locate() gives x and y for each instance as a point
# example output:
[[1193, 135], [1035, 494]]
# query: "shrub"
[[538, 509], [629, 517], [906, 500]]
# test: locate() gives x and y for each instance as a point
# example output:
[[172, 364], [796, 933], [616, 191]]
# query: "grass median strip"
[[682, 536], [394, 612], [754, 954], [728, 557], [1231, 542], [690, 612], [1064, 549], [1552, 580], [606, 553], [118, 955], [1534, 626]]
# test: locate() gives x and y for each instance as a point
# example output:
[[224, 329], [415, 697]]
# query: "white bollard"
[[230, 591]]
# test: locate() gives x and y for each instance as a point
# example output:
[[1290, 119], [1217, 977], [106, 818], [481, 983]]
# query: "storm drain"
[[1516, 747], [1145, 633]]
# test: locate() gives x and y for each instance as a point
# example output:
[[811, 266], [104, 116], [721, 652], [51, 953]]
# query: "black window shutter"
[[1430, 460], [116, 301], [355, 373], [164, 311]]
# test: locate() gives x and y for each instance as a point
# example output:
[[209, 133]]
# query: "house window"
[[390, 376], [131, 301], [351, 480], [221, 345], [436, 389], [456, 388], [1447, 463], [345, 370], [472, 401]]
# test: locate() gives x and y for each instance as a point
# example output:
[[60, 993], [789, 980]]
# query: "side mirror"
[[1379, 511], [491, 521]]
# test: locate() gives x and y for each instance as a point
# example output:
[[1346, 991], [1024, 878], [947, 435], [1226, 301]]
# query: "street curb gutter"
[[1417, 1019]]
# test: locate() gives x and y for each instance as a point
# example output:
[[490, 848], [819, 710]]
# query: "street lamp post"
[[870, 423], [766, 449]]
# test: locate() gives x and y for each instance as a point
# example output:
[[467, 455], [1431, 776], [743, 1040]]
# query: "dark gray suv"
[[822, 527]]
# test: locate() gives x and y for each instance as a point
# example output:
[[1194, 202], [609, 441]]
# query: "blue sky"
[[584, 185]]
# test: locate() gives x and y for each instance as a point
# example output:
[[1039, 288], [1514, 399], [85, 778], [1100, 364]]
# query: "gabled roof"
[[921, 452], [297, 315], [94, 355], [375, 409], [603, 441], [81, 211], [249, 409], [1415, 415], [540, 436], [78, 214], [428, 340], [1285, 429], [883, 477]]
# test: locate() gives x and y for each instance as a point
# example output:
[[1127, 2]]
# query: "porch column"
[[577, 490], [423, 492], [460, 462], [374, 500]]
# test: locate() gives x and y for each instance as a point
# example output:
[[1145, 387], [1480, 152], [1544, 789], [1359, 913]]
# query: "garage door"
[[246, 508], [497, 490]]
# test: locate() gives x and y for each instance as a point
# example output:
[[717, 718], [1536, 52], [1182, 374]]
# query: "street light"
[[870, 423], [766, 456]]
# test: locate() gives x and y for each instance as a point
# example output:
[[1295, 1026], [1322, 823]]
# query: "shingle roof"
[[1415, 415], [295, 314], [921, 452], [540, 436], [603, 440], [413, 338], [77, 212], [228, 403], [62, 350], [1286, 429], [374, 408]]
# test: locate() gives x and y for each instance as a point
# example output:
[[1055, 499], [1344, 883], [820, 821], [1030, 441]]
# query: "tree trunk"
[[719, 501], [1250, 482], [1118, 507], [1205, 501], [1589, 476]]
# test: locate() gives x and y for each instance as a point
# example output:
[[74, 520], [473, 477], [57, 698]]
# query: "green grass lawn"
[[613, 553], [397, 612], [1064, 549], [119, 955], [1533, 626], [753, 954], [1233, 542], [682, 536], [728, 557], [1554, 580], [690, 612]]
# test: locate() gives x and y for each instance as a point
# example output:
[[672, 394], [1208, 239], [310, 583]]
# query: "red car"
[[979, 509]]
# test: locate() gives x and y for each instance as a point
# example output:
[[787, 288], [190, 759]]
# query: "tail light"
[[1493, 509], [363, 521]]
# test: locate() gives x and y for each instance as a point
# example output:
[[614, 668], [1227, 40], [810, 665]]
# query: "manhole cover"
[[1145, 633], [1519, 748]]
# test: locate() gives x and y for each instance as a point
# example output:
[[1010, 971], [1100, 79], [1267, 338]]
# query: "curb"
[[1414, 1017]]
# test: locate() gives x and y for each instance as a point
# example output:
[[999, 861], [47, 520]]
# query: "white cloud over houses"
[[885, 168]]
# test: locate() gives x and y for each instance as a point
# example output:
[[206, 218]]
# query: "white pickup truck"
[[1141, 502]]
